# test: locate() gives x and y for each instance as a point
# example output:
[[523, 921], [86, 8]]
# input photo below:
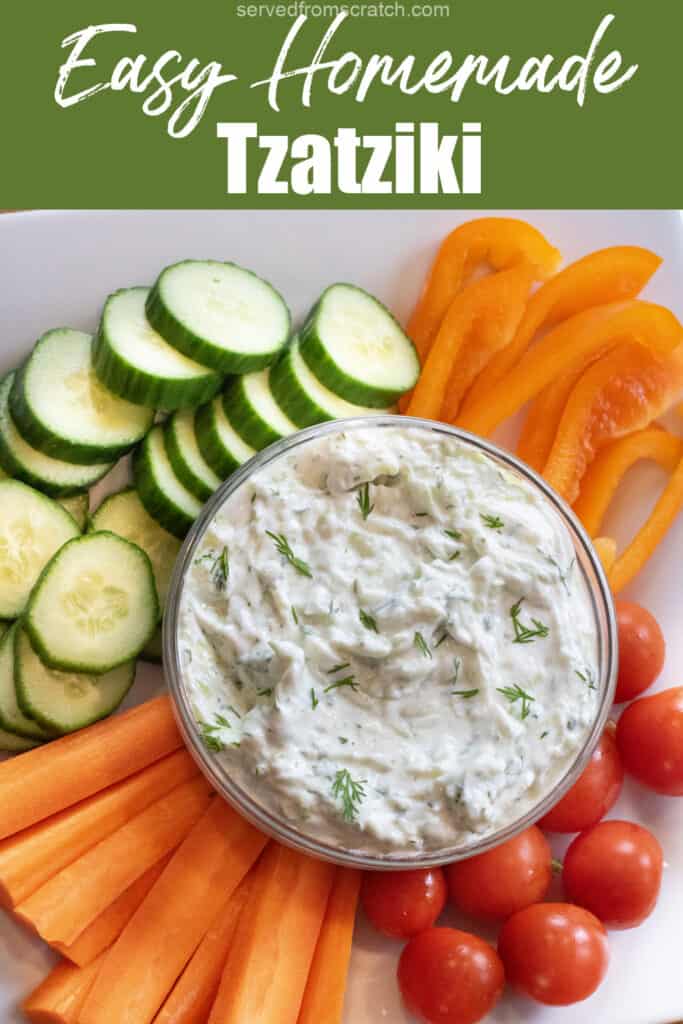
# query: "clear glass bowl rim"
[[268, 821]]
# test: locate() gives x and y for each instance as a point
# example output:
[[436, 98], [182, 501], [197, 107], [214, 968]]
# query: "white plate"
[[56, 268]]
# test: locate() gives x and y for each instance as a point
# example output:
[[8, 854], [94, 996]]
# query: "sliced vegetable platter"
[[301, 254]]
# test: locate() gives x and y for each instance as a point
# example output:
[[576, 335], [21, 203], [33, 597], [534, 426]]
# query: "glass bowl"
[[278, 827]]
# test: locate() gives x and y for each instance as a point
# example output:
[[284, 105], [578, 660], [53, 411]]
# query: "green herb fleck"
[[284, 549], [493, 522], [363, 499], [314, 699], [453, 534], [525, 634], [457, 662], [421, 645], [342, 739], [209, 738], [453, 557], [515, 693], [465, 694], [349, 791], [544, 734], [265, 693], [220, 567], [587, 677], [420, 515], [234, 711], [441, 640], [346, 681], [338, 668], [367, 620], [295, 616]]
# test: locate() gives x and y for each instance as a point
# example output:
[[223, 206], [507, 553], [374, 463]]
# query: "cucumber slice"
[[95, 605], [303, 398], [78, 508], [62, 409], [12, 718], [135, 362], [32, 529], [66, 701], [9, 743], [221, 446], [125, 515], [253, 412], [4, 626], [52, 476], [355, 347], [219, 314], [188, 463], [162, 494], [153, 652]]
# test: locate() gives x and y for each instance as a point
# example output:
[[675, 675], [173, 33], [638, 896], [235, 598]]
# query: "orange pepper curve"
[[643, 545], [567, 346], [625, 390], [481, 316], [606, 549], [500, 242], [608, 275], [609, 467]]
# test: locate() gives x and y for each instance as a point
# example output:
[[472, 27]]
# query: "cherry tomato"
[[650, 741], [511, 876], [641, 650], [403, 903], [450, 977], [554, 952], [615, 871], [594, 792]]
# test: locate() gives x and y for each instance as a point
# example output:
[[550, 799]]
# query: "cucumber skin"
[[243, 418], [188, 479], [154, 501], [38, 645], [153, 652], [35, 733], [293, 401], [18, 471], [213, 451], [181, 338], [38, 436], [11, 744], [24, 702], [142, 388], [320, 363]]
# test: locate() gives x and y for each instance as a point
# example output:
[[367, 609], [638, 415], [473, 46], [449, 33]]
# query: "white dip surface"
[[383, 687]]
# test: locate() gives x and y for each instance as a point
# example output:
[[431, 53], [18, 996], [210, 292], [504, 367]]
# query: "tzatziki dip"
[[386, 639]]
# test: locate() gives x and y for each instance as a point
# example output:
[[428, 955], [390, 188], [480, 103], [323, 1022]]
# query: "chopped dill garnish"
[[220, 567], [441, 640], [265, 693], [295, 616], [563, 575], [209, 738], [349, 791], [342, 739], [525, 634], [314, 699], [544, 734], [453, 534], [587, 677], [493, 522], [465, 694], [453, 557], [234, 711], [346, 681], [363, 499], [367, 620], [420, 515], [284, 549], [457, 662], [515, 693], [338, 668], [421, 645]]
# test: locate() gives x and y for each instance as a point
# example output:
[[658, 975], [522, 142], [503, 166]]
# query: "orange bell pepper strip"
[[540, 426], [566, 347], [507, 294], [608, 275], [609, 467], [483, 315], [625, 390], [606, 549], [643, 545], [500, 242]]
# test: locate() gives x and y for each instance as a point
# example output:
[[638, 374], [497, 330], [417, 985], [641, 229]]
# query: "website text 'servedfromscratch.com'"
[[296, 8]]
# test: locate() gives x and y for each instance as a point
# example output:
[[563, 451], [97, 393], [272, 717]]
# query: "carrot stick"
[[71, 900], [106, 928], [59, 998], [30, 858], [44, 781], [191, 1000], [324, 996], [271, 954], [144, 963]]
